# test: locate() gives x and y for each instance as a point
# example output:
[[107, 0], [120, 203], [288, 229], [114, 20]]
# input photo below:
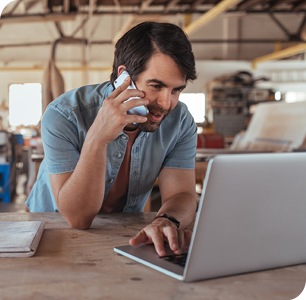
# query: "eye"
[[177, 91], [155, 86]]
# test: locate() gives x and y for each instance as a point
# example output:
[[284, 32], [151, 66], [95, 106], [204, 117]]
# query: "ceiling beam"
[[81, 25], [144, 5], [246, 5], [66, 6], [51, 17], [41, 68], [66, 40], [280, 25], [194, 5], [13, 8], [171, 4], [77, 4], [37, 18], [30, 4], [276, 4], [92, 7], [22, 8], [299, 6], [59, 29], [301, 48], [118, 6], [302, 25], [221, 7], [70, 40], [25, 45], [11, 11], [124, 28]]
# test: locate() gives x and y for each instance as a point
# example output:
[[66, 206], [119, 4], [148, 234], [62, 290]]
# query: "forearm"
[[81, 197], [181, 206]]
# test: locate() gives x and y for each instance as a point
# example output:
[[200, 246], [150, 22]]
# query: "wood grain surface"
[[81, 264]]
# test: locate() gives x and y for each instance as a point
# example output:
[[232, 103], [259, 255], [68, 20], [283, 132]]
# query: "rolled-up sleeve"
[[183, 154], [60, 141]]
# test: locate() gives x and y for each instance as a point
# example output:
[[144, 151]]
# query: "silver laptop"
[[251, 217]]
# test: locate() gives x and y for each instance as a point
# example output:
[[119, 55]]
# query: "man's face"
[[162, 82]]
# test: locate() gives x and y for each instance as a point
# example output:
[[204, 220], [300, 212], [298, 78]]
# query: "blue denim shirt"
[[64, 127]]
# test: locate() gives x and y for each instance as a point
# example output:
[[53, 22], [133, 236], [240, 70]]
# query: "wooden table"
[[81, 264]]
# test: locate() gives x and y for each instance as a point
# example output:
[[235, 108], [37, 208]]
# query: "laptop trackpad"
[[147, 255]]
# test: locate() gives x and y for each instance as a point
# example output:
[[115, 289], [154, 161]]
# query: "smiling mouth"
[[157, 113]]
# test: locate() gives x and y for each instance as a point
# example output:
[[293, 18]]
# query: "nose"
[[164, 99]]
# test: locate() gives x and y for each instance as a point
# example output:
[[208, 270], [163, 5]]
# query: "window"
[[278, 96], [295, 97], [196, 105], [25, 104]]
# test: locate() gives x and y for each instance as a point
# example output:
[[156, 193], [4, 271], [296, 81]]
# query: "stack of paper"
[[20, 239]]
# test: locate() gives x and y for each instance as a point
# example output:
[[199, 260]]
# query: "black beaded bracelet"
[[172, 219]]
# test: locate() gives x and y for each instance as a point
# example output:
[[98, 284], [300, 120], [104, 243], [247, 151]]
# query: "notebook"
[[20, 239], [251, 217]]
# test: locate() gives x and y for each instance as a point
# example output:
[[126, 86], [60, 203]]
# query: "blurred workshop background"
[[250, 59]]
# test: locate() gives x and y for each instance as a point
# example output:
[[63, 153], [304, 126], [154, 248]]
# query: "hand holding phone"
[[138, 110]]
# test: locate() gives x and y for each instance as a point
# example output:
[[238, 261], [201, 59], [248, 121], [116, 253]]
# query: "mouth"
[[155, 116]]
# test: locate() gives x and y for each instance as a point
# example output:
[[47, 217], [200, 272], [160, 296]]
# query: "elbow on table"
[[79, 223]]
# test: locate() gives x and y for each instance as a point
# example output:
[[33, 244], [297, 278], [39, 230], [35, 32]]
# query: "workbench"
[[81, 264]]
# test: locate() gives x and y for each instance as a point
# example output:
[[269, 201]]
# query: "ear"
[[121, 68]]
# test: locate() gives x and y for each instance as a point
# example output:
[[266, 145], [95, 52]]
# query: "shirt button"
[[124, 137], [119, 155]]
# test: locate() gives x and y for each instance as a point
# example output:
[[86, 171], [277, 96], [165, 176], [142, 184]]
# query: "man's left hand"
[[162, 230]]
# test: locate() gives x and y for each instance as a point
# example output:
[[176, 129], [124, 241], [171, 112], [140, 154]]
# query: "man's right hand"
[[113, 117], [160, 231]]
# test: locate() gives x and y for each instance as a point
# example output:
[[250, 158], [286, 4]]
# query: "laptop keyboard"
[[177, 259]]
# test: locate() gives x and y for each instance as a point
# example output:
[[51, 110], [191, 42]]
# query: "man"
[[99, 158]]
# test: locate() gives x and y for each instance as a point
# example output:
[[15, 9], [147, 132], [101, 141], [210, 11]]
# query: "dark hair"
[[137, 46]]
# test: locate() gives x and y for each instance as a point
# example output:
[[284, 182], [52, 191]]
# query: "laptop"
[[251, 217]]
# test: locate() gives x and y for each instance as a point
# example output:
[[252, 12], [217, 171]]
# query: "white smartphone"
[[138, 110]]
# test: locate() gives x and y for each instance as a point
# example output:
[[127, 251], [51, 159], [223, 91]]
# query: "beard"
[[150, 126]]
